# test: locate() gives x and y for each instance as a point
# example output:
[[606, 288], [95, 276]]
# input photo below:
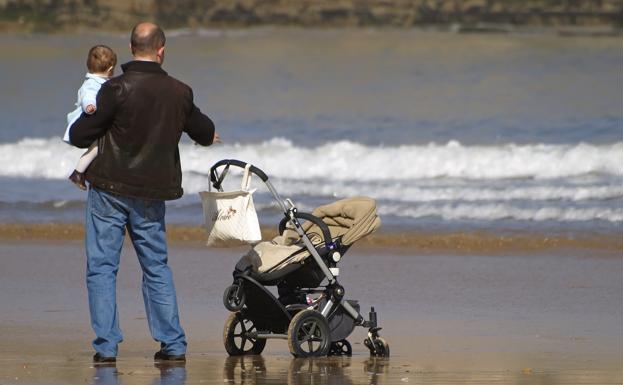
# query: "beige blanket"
[[350, 218]]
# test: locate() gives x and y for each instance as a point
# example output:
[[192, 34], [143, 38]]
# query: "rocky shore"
[[463, 15]]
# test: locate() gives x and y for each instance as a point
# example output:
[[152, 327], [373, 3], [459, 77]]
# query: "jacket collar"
[[143, 66], [97, 78]]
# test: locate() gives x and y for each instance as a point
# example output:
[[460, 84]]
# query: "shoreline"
[[457, 28], [439, 242]]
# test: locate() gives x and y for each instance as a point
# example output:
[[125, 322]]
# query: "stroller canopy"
[[351, 219]]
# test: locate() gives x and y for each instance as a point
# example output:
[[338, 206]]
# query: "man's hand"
[[90, 109], [217, 138]]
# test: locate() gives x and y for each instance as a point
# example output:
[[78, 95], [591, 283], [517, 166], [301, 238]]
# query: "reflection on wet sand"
[[302, 371], [373, 371], [283, 370], [106, 374], [170, 374]]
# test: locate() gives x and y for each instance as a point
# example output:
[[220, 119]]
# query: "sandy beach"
[[549, 317], [452, 242]]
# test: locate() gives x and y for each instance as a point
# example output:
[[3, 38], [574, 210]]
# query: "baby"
[[101, 64]]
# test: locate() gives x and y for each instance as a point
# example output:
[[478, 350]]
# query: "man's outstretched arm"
[[200, 127], [88, 128]]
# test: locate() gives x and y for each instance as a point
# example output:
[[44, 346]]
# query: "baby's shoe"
[[77, 178]]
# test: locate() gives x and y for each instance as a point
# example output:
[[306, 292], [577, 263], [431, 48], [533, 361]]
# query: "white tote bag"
[[230, 217]]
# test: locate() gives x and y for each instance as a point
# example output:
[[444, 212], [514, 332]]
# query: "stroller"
[[314, 318]]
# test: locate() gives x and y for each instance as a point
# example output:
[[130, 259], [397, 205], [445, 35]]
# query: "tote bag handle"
[[246, 178], [245, 183]]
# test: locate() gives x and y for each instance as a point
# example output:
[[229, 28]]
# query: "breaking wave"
[[452, 182], [348, 161]]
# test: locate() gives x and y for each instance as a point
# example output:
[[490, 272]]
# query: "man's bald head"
[[146, 39]]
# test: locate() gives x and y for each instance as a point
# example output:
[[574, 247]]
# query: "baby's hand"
[[90, 109]]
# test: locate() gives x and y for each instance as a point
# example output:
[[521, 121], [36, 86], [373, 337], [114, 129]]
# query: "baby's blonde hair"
[[100, 59]]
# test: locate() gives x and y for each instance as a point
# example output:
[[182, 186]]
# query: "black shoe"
[[162, 356], [99, 359], [77, 178]]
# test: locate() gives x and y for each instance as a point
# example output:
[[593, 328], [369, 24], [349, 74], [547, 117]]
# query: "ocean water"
[[446, 131]]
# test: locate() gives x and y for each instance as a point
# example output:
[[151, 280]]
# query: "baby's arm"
[[88, 128], [88, 95]]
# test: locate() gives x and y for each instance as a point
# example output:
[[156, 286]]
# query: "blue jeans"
[[107, 218]]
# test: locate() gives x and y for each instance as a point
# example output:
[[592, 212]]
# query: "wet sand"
[[548, 318]]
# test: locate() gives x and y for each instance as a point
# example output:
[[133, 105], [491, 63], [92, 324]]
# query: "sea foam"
[[350, 161], [540, 182]]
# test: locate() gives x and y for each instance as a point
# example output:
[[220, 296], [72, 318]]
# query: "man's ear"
[[131, 48], [160, 54]]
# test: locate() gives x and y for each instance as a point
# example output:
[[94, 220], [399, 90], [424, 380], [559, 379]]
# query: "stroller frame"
[[260, 316]]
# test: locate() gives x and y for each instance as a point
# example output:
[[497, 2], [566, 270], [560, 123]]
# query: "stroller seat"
[[272, 260], [348, 220]]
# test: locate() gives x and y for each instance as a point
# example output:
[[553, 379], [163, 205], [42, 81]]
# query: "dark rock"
[[121, 14]]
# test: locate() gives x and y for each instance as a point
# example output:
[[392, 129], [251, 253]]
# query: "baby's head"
[[102, 61]]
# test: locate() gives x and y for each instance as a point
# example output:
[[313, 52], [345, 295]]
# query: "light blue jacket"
[[86, 95]]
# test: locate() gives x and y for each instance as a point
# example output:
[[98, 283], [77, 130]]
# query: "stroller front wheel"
[[378, 347], [309, 334], [237, 336], [341, 348], [233, 298]]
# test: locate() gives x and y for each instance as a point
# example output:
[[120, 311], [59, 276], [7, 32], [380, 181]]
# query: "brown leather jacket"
[[140, 118]]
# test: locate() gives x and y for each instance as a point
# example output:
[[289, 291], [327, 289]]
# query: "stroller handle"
[[326, 234], [238, 163]]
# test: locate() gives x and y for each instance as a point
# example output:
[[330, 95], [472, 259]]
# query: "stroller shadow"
[[253, 369]]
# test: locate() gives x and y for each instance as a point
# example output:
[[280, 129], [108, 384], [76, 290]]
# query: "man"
[[140, 118]]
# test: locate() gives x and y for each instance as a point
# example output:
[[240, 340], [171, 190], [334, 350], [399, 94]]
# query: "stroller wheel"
[[237, 336], [341, 348], [378, 347], [309, 334], [233, 298]]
